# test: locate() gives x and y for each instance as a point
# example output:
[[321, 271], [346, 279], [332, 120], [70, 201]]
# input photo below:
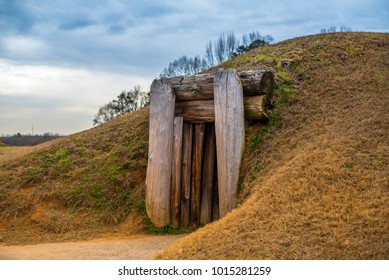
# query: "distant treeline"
[[27, 140], [332, 29]]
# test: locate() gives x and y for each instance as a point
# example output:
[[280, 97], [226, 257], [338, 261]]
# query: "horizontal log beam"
[[204, 110], [196, 110], [200, 86]]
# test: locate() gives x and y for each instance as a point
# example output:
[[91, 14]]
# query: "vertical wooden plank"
[[197, 158], [186, 170], [215, 196], [208, 173], [176, 170], [159, 168], [229, 127]]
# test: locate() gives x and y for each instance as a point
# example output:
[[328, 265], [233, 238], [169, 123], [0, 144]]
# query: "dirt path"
[[136, 247]]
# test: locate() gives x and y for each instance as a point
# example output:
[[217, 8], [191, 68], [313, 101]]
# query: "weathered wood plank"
[[200, 86], [215, 196], [196, 110], [193, 87], [176, 170], [208, 173], [197, 159], [230, 137], [204, 110], [186, 170], [159, 168]]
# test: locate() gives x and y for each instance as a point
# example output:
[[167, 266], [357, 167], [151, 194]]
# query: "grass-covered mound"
[[314, 182], [319, 181], [77, 186]]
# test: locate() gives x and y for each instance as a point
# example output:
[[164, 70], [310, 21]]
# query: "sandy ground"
[[139, 247]]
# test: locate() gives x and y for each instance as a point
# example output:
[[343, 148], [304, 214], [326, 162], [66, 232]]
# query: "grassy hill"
[[314, 182], [77, 186], [319, 181]]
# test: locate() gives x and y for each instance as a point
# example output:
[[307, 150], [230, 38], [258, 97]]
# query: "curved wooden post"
[[159, 168], [230, 137]]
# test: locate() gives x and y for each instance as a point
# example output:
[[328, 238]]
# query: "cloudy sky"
[[60, 60]]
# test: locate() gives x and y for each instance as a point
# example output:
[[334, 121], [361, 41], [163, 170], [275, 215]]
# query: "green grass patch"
[[141, 207], [169, 229], [348, 165], [64, 159], [282, 93]]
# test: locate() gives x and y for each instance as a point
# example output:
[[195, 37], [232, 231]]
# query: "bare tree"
[[328, 30], [125, 102], [185, 66], [225, 47], [245, 40], [252, 41], [209, 58], [220, 48], [105, 113], [254, 36], [345, 29], [232, 44], [268, 38], [332, 29]]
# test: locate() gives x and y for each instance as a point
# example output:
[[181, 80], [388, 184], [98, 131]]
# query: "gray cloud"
[[123, 35], [116, 29], [15, 17], [76, 24], [139, 38]]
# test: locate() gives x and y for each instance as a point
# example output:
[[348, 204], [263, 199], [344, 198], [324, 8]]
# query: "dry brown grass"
[[77, 186], [314, 182], [8, 153], [320, 183]]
